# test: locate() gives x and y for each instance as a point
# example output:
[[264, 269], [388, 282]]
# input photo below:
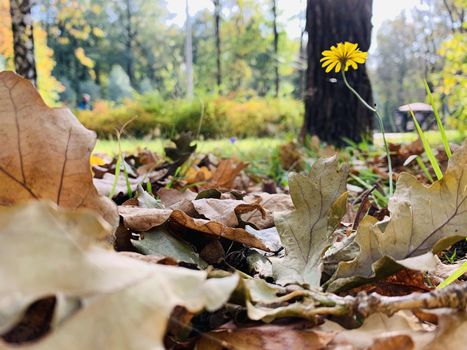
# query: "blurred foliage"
[[49, 86], [450, 82], [222, 117], [427, 43], [115, 49]]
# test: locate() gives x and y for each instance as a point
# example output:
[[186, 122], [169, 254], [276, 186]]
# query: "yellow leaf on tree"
[[83, 59]]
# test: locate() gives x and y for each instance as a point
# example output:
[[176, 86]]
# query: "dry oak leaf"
[[424, 220], [126, 303], [45, 152], [217, 229], [320, 201]]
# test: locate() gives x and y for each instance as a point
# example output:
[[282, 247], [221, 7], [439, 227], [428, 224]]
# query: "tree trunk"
[[331, 111], [276, 48], [23, 39], [217, 24], [129, 44], [188, 54]]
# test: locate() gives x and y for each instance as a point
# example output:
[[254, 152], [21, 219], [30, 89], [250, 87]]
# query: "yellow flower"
[[343, 56]]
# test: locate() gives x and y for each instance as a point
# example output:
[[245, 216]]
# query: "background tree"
[[449, 82], [276, 48], [188, 53], [23, 39], [331, 112], [217, 26], [398, 68], [427, 43], [49, 87]]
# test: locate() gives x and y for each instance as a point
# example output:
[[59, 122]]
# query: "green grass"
[[246, 149], [433, 136], [253, 148]]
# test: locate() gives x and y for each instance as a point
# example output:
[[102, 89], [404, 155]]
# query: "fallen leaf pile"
[[193, 253]]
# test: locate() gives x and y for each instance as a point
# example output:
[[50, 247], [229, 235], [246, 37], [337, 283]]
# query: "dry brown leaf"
[[403, 282], [266, 337], [127, 303], [196, 175], [424, 220], [104, 186], [273, 204], [320, 202], [290, 157], [225, 174], [226, 211], [380, 332], [220, 210], [143, 219], [401, 332], [45, 152], [451, 332], [170, 197], [178, 200], [217, 229], [153, 259]]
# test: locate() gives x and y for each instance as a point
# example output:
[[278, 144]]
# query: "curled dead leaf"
[[143, 219], [45, 152], [217, 229]]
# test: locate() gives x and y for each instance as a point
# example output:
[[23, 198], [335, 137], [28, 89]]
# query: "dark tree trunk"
[[129, 44], [23, 39], [331, 111], [217, 24], [276, 48]]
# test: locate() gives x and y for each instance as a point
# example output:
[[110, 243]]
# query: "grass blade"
[[424, 169], [118, 165], [127, 180], [427, 147], [454, 276], [378, 195], [438, 121], [149, 187]]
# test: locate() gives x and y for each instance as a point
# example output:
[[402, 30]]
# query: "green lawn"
[[244, 149], [433, 136], [251, 149]]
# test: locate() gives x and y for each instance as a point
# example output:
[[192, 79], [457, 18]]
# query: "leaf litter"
[[202, 258]]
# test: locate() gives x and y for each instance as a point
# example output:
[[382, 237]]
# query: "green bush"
[[222, 117]]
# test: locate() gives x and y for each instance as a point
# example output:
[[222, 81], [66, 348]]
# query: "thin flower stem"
[[380, 122]]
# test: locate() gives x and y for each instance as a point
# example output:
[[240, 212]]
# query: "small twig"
[[454, 296], [363, 305]]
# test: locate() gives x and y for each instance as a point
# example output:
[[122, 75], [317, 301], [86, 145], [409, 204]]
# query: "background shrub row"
[[222, 117]]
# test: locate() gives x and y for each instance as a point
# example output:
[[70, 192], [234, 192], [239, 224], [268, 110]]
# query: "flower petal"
[[331, 66], [338, 67], [328, 62]]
